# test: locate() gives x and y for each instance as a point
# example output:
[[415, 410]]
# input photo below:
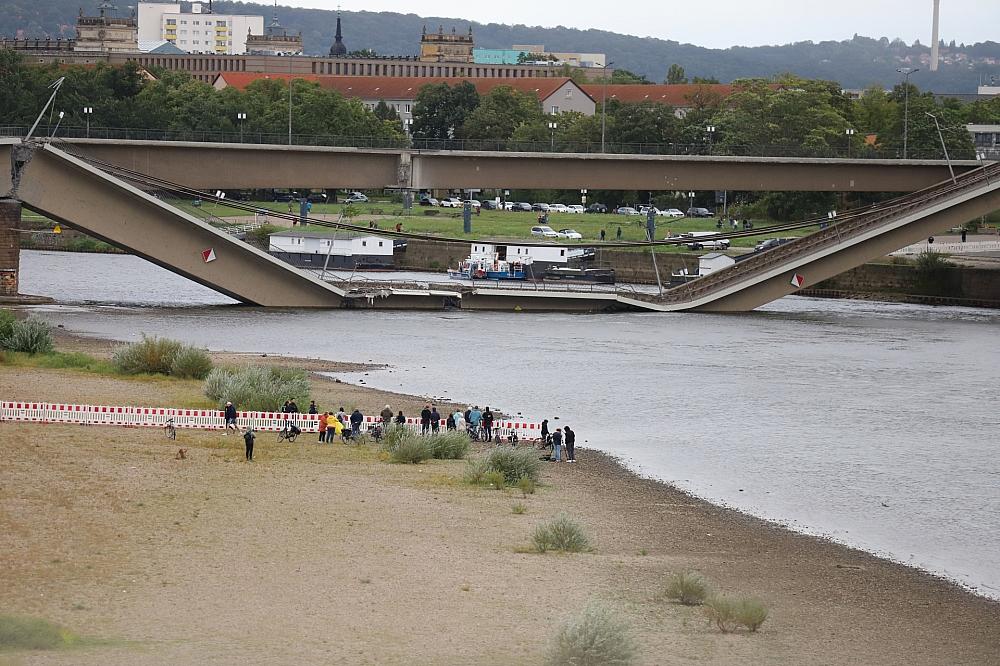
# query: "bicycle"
[[289, 432], [170, 430]]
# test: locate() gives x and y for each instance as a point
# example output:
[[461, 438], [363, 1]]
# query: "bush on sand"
[[256, 388], [595, 637]]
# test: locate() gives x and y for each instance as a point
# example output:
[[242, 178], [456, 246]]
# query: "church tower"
[[338, 48]]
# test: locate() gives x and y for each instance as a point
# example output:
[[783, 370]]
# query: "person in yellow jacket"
[[334, 426]]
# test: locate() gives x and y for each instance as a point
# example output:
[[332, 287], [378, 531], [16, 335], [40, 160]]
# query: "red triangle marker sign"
[[798, 280], [208, 255]]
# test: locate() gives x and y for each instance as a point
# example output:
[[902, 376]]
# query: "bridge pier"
[[10, 247]]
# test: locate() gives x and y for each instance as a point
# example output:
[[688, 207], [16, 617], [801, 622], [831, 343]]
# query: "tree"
[[625, 76], [675, 75], [643, 122], [363, 53], [500, 113], [440, 110], [385, 112], [702, 79]]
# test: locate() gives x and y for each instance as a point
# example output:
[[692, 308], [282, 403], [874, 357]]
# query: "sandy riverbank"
[[329, 555]]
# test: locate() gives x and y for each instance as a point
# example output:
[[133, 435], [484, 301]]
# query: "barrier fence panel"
[[204, 419]]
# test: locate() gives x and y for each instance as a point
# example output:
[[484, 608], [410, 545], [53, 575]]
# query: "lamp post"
[[906, 71], [58, 123], [690, 200], [289, 100], [711, 135], [87, 110], [552, 133], [943, 146], [604, 101], [241, 116], [850, 133]]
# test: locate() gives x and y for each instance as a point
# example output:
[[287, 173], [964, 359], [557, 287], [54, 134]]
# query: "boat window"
[[364, 243], [562, 253]]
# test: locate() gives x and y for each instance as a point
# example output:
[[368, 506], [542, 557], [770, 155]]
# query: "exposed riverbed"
[[871, 423]]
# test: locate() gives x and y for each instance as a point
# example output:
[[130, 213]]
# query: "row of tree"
[[784, 115]]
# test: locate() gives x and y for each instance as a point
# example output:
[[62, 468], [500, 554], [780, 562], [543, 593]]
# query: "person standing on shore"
[[450, 423], [545, 433], [322, 426], [425, 419], [386, 415], [334, 427], [292, 407], [557, 445], [570, 444], [488, 422], [313, 409], [459, 418], [435, 420], [357, 418], [284, 407], [400, 419], [248, 440], [230, 416]]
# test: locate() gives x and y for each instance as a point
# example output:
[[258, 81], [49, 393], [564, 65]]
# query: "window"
[[408, 108], [380, 243], [183, 22], [171, 21], [562, 253], [364, 243], [555, 110], [184, 32]]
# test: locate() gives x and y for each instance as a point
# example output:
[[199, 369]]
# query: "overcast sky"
[[722, 23]]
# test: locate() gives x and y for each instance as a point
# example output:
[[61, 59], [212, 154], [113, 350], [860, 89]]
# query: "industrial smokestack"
[[934, 36]]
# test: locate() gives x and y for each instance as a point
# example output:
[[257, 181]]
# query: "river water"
[[873, 424]]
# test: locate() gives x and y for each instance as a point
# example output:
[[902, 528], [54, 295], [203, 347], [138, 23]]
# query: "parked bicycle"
[[289, 432], [170, 430]]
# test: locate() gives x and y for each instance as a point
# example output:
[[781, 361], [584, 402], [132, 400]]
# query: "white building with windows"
[[197, 31], [345, 249]]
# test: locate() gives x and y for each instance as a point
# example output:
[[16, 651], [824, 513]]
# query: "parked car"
[[699, 212], [522, 206], [473, 202], [558, 208], [670, 212], [626, 210], [490, 204], [540, 207], [356, 197], [317, 198], [451, 202], [768, 243], [575, 208], [429, 201], [597, 208], [543, 230], [570, 233]]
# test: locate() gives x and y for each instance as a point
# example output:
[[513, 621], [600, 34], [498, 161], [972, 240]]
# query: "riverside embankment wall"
[[948, 285]]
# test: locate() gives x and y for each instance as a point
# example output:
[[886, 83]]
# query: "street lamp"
[[241, 117], [943, 146], [58, 122], [906, 71], [87, 110], [604, 101], [690, 200], [552, 132], [850, 133], [711, 134]]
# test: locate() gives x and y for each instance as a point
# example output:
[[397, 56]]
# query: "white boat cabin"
[[715, 261], [305, 248]]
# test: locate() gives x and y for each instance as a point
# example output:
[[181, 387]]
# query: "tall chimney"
[[934, 36]]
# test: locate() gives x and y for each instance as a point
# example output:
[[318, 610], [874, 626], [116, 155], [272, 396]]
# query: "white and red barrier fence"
[[201, 419]]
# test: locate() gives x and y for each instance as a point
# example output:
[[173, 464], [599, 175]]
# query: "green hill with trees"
[[854, 63]]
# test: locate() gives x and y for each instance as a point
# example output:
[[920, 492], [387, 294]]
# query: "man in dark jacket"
[[357, 418], [435, 419], [425, 419], [569, 438], [248, 440], [488, 423], [292, 407], [230, 416]]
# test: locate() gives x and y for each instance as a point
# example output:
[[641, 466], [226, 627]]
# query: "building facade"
[[441, 46], [106, 33], [197, 31], [336, 250]]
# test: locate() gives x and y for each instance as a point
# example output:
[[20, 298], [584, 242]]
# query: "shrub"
[[151, 355], [721, 611], [393, 435], [31, 336], [6, 323], [191, 363], [494, 480], [26, 633], [688, 588], [514, 464], [751, 613], [526, 486], [411, 450], [562, 534], [449, 445], [519, 508], [256, 388], [594, 638]]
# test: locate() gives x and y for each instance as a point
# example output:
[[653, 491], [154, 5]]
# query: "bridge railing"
[[417, 143], [832, 235]]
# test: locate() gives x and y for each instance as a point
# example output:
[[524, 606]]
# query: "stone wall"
[[10, 246], [978, 286]]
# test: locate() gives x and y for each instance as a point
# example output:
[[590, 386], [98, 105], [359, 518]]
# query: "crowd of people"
[[478, 423]]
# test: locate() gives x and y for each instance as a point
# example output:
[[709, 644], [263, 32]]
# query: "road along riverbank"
[[329, 553]]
